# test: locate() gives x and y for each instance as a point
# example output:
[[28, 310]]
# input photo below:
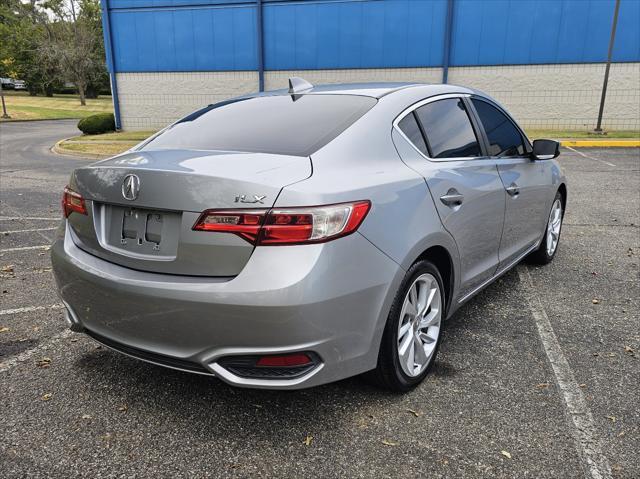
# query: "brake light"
[[72, 201], [315, 224]]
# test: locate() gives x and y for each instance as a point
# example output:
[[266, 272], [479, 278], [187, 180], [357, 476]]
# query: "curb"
[[601, 143], [58, 150], [31, 120]]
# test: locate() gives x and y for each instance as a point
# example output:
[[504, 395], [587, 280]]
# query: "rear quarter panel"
[[363, 163]]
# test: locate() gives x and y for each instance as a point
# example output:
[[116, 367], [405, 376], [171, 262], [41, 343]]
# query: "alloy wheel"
[[553, 227], [419, 324]]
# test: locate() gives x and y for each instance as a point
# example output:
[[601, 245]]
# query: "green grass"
[[583, 134], [21, 106], [105, 144], [93, 148], [136, 136]]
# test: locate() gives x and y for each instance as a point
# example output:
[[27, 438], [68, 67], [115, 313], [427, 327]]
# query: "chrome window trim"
[[417, 105]]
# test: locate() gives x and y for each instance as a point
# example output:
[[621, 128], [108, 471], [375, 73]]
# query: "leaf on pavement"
[[506, 454], [46, 396], [123, 408], [627, 349], [415, 413], [7, 271], [386, 442], [307, 440], [87, 416], [611, 418], [595, 301], [4, 329], [43, 363], [542, 385]]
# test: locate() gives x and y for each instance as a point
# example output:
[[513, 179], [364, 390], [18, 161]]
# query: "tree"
[[74, 39], [22, 32]]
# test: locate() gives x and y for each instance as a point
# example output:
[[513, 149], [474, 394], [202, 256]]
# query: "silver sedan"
[[297, 237]]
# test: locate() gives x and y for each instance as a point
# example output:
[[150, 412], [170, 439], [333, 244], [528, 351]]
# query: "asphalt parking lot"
[[538, 376]]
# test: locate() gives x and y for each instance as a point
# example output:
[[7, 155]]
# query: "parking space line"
[[583, 428], [589, 157], [28, 354], [33, 230], [27, 218], [24, 248], [29, 309]]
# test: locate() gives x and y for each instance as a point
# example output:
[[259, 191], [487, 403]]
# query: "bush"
[[98, 123]]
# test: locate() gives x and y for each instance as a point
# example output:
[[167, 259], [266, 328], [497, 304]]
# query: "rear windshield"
[[283, 125]]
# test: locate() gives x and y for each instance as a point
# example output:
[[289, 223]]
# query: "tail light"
[[315, 224], [72, 201]]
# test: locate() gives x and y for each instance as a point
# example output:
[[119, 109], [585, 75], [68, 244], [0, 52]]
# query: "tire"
[[547, 249], [392, 369]]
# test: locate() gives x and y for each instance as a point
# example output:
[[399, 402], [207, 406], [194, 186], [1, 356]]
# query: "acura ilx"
[[291, 238]]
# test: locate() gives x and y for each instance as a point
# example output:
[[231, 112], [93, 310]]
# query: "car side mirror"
[[545, 149]]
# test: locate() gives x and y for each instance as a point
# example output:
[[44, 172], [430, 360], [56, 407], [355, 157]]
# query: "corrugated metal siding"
[[627, 47], [501, 32], [219, 35], [203, 39], [366, 34]]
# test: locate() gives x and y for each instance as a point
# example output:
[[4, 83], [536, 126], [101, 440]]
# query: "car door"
[[526, 182], [464, 184]]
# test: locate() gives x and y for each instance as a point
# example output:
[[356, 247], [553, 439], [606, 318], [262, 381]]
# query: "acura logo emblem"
[[130, 187]]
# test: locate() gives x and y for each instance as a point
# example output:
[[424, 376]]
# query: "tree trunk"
[[91, 91], [81, 92], [48, 90]]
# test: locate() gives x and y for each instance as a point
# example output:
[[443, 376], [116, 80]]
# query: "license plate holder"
[[141, 227], [140, 231]]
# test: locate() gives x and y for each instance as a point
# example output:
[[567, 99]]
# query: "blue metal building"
[[190, 36]]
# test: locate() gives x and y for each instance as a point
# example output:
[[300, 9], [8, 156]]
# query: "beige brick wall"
[[279, 79], [560, 96], [540, 96], [153, 100]]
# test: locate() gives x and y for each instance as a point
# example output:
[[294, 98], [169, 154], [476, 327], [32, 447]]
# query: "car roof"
[[374, 89]]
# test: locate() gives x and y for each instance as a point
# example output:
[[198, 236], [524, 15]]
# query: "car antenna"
[[298, 85]]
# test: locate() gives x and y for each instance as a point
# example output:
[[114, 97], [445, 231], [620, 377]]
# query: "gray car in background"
[[292, 238]]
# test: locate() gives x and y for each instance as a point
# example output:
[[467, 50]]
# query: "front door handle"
[[513, 189], [453, 198]]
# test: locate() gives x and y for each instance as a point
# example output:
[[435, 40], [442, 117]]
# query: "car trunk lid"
[[152, 230]]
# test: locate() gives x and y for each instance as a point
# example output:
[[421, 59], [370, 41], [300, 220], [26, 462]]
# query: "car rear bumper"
[[331, 299]]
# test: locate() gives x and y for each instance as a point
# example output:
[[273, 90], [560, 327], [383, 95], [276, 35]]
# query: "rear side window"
[[409, 126], [448, 129], [504, 138], [269, 124]]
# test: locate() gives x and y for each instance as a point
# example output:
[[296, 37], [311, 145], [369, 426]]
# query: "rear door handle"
[[512, 189], [452, 198]]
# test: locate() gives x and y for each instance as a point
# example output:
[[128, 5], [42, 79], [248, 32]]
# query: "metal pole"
[[448, 31], [606, 71], [4, 107], [108, 48], [260, 46]]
